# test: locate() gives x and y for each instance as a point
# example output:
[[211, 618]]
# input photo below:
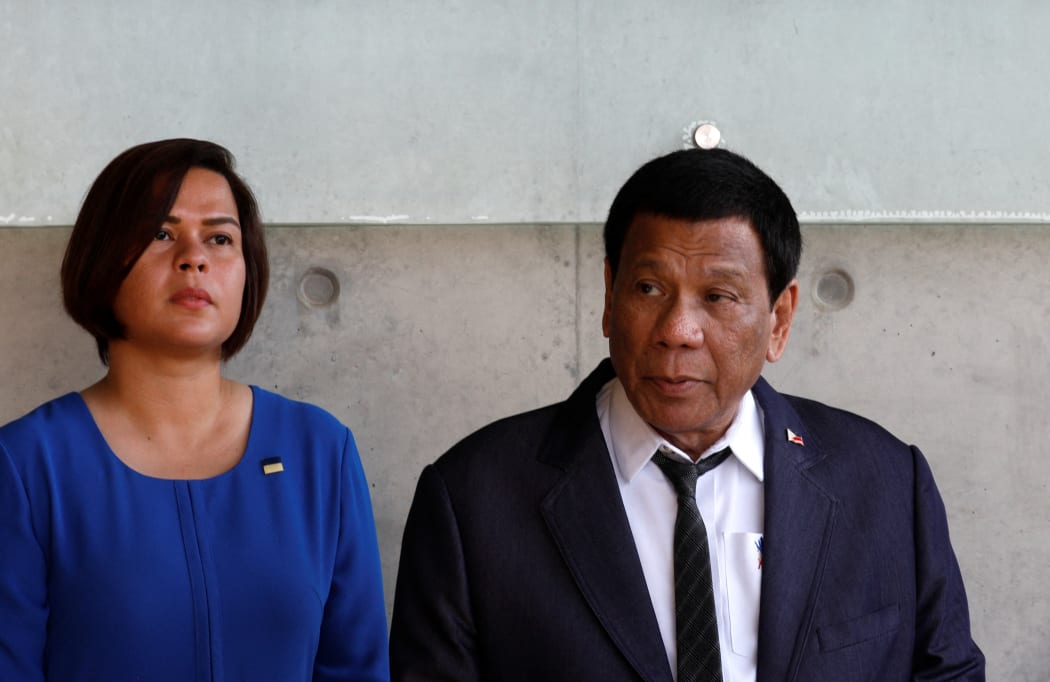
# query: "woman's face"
[[183, 294]]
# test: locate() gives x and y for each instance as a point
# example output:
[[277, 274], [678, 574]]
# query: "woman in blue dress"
[[167, 523]]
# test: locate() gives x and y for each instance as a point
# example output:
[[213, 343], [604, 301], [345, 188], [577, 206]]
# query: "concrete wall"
[[447, 164], [532, 111], [438, 330]]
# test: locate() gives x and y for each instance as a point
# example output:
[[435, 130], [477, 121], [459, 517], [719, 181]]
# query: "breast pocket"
[[857, 630], [743, 571]]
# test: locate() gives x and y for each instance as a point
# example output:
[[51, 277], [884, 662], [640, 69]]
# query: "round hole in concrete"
[[834, 290], [318, 287]]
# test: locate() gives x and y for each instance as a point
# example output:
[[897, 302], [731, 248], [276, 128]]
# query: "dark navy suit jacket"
[[518, 562]]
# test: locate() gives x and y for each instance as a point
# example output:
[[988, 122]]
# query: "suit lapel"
[[585, 515], [587, 520], [799, 523]]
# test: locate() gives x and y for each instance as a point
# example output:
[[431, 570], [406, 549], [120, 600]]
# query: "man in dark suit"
[[562, 544]]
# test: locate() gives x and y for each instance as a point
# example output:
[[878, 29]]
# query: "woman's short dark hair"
[[709, 184], [122, 212]]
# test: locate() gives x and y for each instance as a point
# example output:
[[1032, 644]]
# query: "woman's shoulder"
[[57, 415], [278, 415], [50, 440]]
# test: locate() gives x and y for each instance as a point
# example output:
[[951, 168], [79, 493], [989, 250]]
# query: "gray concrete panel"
[[437, 331], [340, 112], [43, 353], [854, 107], [531, 112]]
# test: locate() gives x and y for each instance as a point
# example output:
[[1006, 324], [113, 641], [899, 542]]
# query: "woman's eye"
[[222, 240], [162, 236]]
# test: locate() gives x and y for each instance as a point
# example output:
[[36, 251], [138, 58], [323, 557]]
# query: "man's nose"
[[681, 325]]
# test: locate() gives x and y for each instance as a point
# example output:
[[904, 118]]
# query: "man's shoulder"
[[846, 450], [532, 447], [515, 436], [839, 423], [836, 435]]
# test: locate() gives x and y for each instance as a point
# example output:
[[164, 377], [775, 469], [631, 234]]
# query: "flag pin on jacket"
[[794, 438], [272, 465]]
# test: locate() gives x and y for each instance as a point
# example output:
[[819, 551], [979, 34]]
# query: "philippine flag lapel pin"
[[272, 465], [794, 438]]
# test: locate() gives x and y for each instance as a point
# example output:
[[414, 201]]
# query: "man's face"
[[689, 323]]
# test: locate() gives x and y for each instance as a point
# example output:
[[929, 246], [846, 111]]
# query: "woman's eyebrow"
[[218, 220]]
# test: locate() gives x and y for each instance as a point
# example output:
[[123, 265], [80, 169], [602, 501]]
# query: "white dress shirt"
[[731, 502]]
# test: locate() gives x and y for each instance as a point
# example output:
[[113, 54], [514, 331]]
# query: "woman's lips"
[[191, 297]]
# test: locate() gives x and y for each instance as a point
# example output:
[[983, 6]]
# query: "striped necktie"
[[699, 659]]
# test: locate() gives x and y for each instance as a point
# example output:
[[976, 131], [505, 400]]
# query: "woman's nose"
[[192, 257]]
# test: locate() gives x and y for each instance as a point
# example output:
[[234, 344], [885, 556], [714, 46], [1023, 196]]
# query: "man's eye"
[[646, 288]]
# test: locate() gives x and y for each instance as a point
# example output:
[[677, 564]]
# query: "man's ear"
[[783, 313], [608, 299]]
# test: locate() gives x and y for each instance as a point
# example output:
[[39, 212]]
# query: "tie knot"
[[683, 475]]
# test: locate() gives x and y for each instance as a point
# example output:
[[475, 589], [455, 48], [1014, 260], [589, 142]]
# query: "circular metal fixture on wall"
[[702, 135], [833, 290], [707, 136], [318, 288]]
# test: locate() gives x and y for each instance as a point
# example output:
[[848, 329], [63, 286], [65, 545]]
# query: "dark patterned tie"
[[699, 659]]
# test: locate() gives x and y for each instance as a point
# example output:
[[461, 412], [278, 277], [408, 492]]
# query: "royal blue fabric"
[[107, 574]]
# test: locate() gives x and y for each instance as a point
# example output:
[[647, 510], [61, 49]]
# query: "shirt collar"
[[634, 441]]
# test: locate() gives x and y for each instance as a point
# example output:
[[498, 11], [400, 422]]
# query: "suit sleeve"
[[944, 648], [23, 582], [433, 635], [353, 643]]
